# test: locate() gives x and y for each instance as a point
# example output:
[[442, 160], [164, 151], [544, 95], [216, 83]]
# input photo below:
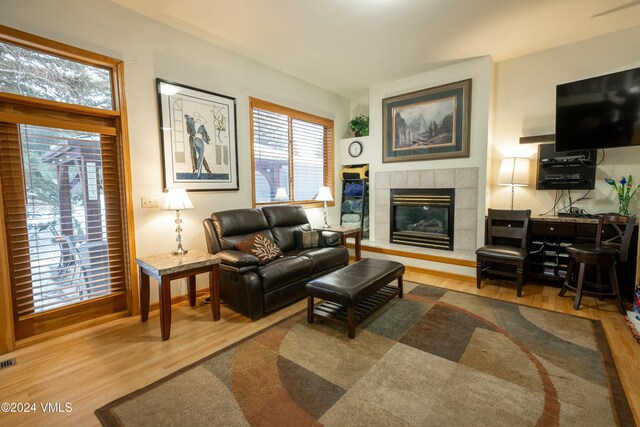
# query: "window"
[[63, 175], [292, 154], [37, 74]]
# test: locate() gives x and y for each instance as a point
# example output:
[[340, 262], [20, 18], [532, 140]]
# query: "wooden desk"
[[344, 231], [167, 267]]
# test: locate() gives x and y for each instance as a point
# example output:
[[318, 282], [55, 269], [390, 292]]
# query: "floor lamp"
[[514, 171]]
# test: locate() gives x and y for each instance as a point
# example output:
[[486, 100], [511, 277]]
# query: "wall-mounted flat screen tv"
[[600, 112]]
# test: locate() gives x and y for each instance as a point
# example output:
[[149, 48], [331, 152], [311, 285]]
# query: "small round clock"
[[355, 149]]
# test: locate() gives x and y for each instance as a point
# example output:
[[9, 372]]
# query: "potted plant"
[[360, 125]]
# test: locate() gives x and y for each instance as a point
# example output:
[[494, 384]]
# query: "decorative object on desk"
[[625, 192], [514, 171], [324, 195], [428, 124], [359, 125], [199, 142], [281, 194], [178, 200]]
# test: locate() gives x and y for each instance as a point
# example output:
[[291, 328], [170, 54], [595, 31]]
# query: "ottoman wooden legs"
[[310, 309], [351, 316], [351, 322]]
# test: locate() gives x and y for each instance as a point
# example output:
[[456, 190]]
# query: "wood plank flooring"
[[92, 367]]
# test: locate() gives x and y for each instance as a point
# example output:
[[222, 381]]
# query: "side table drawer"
[[553, 229]]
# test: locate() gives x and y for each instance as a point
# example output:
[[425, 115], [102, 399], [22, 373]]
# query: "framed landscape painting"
[[427, 124], [199, 142]]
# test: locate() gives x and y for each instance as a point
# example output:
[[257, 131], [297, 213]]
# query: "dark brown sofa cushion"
[[262, 247]]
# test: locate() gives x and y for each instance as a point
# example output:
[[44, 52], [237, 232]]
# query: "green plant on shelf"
[[360, 125]]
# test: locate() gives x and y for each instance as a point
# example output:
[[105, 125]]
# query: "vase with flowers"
[[625, 191]]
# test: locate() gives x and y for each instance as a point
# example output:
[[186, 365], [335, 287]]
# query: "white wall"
[[149, 50], [480, 71], [525, 106]]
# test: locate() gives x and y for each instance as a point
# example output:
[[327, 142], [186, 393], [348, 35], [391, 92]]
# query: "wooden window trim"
[[115, 121], [31, 41], [300, 115]]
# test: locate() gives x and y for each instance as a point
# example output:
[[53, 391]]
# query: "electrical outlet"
[[150, 202]]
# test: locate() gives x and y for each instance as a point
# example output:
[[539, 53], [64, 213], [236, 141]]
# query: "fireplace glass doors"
[[423, 217]]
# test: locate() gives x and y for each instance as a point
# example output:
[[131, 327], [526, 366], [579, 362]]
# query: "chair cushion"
[[502, 252], [260, 246], [284, 271], [588, 250]]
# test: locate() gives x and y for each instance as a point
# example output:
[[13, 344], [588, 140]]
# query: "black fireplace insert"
[[423, 217]]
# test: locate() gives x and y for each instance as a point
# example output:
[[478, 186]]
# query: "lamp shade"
[[514, 171], [281, 194], [324, 195], [177, 200]]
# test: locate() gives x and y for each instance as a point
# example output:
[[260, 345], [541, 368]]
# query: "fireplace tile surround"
[[465, 183]]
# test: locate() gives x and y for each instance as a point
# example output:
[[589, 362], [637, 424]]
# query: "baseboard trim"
[[448, 275], [423, 257]]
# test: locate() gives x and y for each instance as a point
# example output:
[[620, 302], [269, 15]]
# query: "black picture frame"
[[199, 141]]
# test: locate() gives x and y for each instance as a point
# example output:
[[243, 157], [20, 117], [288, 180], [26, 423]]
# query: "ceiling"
[[346, 46]]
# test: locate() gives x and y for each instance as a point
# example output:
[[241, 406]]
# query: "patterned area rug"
[[436, 357]]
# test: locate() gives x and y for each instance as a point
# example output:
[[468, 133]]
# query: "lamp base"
[[180, 252], [326, 223]]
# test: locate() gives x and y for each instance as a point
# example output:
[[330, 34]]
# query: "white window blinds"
[[292, 154]]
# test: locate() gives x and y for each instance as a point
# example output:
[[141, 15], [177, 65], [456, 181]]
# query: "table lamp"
[[514, 171], [178, 200], [324, 195], [281, 194]]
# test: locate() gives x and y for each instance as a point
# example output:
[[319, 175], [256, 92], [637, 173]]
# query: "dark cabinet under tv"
[[565, 170], [548, 258]]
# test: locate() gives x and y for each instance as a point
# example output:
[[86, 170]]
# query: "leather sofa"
[[254, 289]]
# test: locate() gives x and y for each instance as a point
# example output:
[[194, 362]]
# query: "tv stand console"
[[548, 258]]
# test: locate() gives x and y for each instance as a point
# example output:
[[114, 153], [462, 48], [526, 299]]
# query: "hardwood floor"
[[92, 367]]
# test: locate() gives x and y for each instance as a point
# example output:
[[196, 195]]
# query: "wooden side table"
[[167, 267], [345, 231]]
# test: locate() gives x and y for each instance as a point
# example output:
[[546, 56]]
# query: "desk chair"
[[507, 232], [606, 252]]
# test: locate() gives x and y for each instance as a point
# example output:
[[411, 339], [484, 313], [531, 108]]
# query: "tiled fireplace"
[[462, 181]]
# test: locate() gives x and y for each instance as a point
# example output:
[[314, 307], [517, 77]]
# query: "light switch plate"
[[150, 202]]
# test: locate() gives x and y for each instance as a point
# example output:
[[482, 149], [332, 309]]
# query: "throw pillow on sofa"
[[307, 239], [262, 247]]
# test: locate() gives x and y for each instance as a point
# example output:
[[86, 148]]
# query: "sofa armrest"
[[330, 238], [238, 259]]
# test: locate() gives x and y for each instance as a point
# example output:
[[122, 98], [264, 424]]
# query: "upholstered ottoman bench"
[[354, 292]]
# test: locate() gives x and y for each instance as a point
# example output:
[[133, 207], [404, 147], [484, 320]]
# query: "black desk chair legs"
[[604, 254]]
